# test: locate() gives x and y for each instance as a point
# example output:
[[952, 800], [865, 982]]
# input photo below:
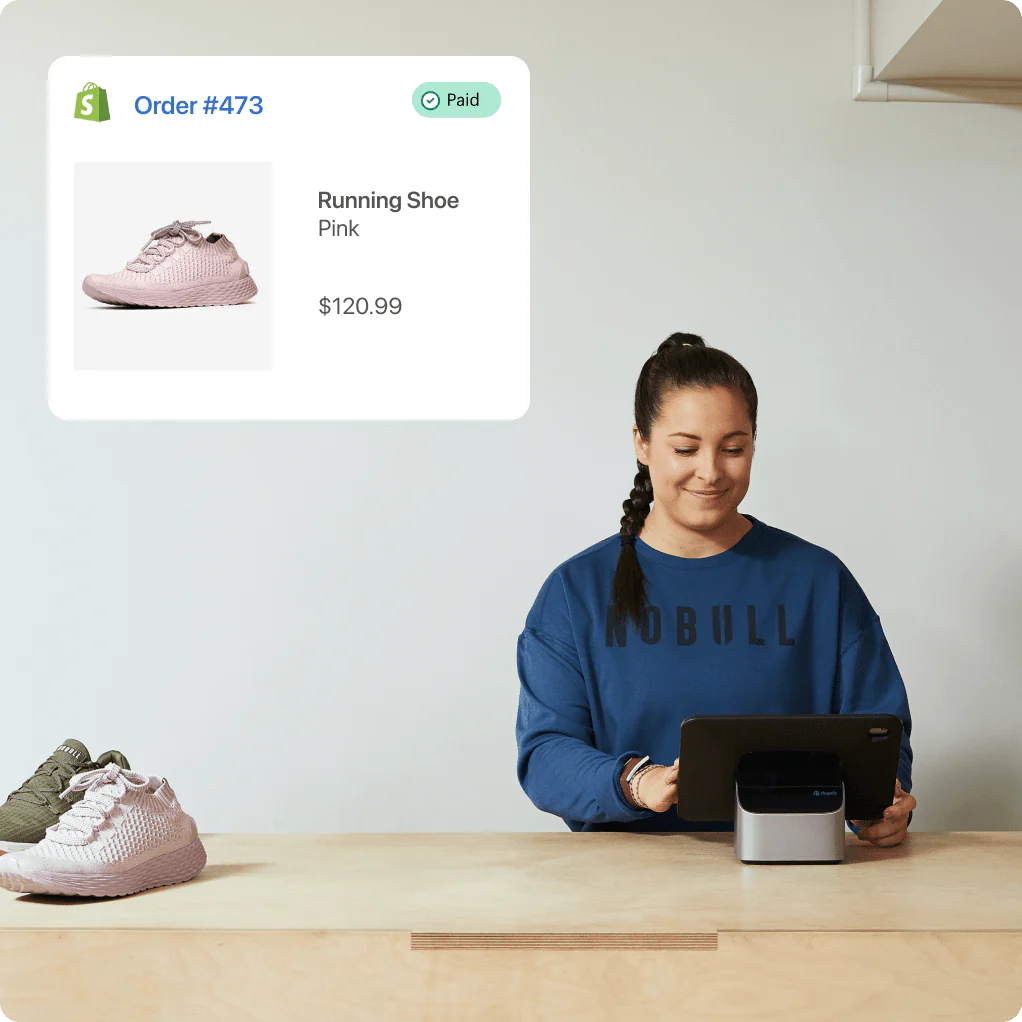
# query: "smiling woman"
[[694, 436], [637, 632]]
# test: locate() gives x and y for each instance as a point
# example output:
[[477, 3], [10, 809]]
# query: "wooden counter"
[[532, 927]]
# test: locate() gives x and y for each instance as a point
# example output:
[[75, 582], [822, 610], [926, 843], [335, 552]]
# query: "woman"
[[692, 609]]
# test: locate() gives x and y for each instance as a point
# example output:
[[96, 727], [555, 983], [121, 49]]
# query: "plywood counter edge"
[[501, 934]]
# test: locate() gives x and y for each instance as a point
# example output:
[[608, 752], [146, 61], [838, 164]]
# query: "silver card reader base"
[[789, 807]]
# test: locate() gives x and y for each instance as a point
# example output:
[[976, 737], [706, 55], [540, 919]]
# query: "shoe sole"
[[175, 867], [16, 846], [232, 292]]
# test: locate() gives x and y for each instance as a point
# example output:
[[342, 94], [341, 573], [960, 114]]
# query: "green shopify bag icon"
[[91, 104]]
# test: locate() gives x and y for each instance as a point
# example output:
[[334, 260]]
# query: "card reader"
[[789, 807]]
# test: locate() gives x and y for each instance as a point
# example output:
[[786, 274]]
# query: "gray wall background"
[[312, 627]]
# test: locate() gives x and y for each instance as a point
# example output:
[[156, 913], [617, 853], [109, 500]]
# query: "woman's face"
[[701, 442]]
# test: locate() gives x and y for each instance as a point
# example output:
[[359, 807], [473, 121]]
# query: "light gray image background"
[[117, 207], [312, 626]]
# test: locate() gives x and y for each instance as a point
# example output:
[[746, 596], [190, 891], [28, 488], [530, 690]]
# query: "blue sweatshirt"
[[774, 624]]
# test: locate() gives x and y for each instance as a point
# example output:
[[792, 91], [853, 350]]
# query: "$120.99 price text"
[[359, 306]]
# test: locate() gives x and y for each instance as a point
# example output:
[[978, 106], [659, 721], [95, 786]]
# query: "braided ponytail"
[[682, 360], [630, 583]]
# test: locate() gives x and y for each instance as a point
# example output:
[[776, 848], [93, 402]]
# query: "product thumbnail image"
[[178, 267]]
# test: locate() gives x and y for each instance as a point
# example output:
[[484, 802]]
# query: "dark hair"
[[683, 360]]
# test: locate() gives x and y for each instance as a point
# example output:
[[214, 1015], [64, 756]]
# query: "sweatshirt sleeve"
[[868, 678], [559, 767]]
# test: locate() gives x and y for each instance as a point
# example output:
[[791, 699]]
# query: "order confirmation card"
[[364, 255]]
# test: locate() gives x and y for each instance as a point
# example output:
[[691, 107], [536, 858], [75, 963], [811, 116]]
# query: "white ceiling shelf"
[[951, 51]]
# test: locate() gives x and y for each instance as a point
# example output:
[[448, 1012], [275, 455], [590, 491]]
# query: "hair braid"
[[629, 578], [637, 506]]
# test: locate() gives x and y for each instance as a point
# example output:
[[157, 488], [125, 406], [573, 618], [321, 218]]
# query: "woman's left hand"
[[891, 830]]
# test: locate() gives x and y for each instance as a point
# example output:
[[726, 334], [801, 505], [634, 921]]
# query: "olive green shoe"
[[38, 803]]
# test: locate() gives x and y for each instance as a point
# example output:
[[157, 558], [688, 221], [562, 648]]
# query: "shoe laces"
[[103, 788], [163, 241], [37, 794]]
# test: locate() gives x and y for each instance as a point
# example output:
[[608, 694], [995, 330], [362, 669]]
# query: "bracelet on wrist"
[[633, 784], [632, 772]]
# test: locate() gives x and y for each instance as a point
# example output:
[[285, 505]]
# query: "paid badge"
[[91, 104]]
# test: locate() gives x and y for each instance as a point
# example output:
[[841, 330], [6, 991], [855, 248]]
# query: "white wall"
[[312, 626]]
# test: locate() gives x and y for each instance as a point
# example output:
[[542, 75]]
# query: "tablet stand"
[[789, 807]]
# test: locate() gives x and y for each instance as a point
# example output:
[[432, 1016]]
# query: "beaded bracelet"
[[633, 785]]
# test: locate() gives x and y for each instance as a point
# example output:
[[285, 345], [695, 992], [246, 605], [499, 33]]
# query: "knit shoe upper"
[[177, 267], [127, 833], [39, 802]]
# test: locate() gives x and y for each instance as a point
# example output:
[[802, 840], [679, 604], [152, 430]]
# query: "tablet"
[[867, 745]]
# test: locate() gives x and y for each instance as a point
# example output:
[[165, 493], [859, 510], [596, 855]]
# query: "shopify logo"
[[91, 104]]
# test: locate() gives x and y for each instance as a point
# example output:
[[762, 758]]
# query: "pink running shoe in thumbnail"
[[178, 267]]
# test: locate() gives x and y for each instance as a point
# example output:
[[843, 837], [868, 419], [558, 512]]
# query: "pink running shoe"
[[178, 267], [127, 834]]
